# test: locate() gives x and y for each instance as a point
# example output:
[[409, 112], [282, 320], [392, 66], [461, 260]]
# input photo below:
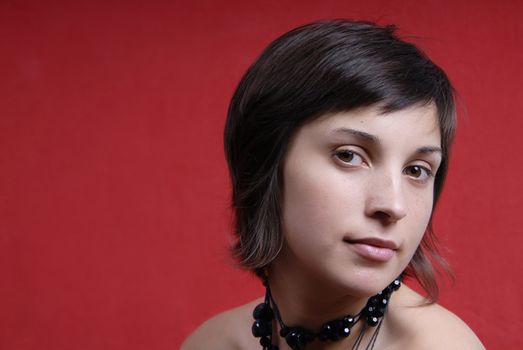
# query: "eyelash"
[[338, 152]]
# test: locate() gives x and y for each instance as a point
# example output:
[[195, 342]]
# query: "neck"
[[308, 301], [312, 312]]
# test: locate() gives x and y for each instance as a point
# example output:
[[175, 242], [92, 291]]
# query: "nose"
[[386, 199]]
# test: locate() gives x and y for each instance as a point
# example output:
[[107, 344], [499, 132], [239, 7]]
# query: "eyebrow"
[[375, 140], [429, 149], [359, 134]]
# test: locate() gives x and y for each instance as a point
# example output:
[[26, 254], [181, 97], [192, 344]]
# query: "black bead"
[[373, 301], [348, 320], [378, 312], [373, 321], [337, 327], [326, 329], [330, 330], [344, 332], [295, 339], [262, 312], [261, 329], [284, 331], [265, 342], [396, 284]]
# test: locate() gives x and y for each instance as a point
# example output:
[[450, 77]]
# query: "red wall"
[[114, 215]]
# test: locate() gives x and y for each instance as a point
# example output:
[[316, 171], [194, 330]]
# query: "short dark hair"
[[322, 67]]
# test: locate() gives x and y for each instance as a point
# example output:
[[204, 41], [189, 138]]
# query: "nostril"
[[382, 216], [388, 217]]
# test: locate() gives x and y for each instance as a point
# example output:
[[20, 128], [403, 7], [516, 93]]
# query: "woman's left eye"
[[346, 156], [418, 172]]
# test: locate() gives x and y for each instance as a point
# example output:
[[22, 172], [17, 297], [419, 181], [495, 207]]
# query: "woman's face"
[[358, 194]]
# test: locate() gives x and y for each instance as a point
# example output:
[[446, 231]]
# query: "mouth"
[[374, 249]]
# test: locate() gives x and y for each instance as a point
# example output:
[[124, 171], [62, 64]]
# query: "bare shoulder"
[[228, 330], [430, 326]]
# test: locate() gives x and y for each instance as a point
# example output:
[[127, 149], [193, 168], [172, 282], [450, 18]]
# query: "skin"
[[347, 178]]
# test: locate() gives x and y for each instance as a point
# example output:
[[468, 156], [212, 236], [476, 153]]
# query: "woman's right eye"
[[346, 156]]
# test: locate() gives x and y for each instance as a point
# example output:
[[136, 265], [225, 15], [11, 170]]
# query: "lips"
[[374, 249]]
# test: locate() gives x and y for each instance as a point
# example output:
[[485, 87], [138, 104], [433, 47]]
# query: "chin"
[[367, 282]]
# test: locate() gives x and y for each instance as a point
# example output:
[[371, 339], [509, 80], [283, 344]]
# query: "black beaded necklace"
[[298, 337]]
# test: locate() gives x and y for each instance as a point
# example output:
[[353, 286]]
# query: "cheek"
[[420, 214], [307, 206], [317, 205]]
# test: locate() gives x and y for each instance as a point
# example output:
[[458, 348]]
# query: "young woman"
[[337, 141]]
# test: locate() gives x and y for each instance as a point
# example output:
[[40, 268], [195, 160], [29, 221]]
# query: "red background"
[[114, 219]]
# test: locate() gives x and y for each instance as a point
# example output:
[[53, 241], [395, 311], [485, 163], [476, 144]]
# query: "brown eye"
[[345, 156], [414, 171], [418, 172], [348, 157]]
